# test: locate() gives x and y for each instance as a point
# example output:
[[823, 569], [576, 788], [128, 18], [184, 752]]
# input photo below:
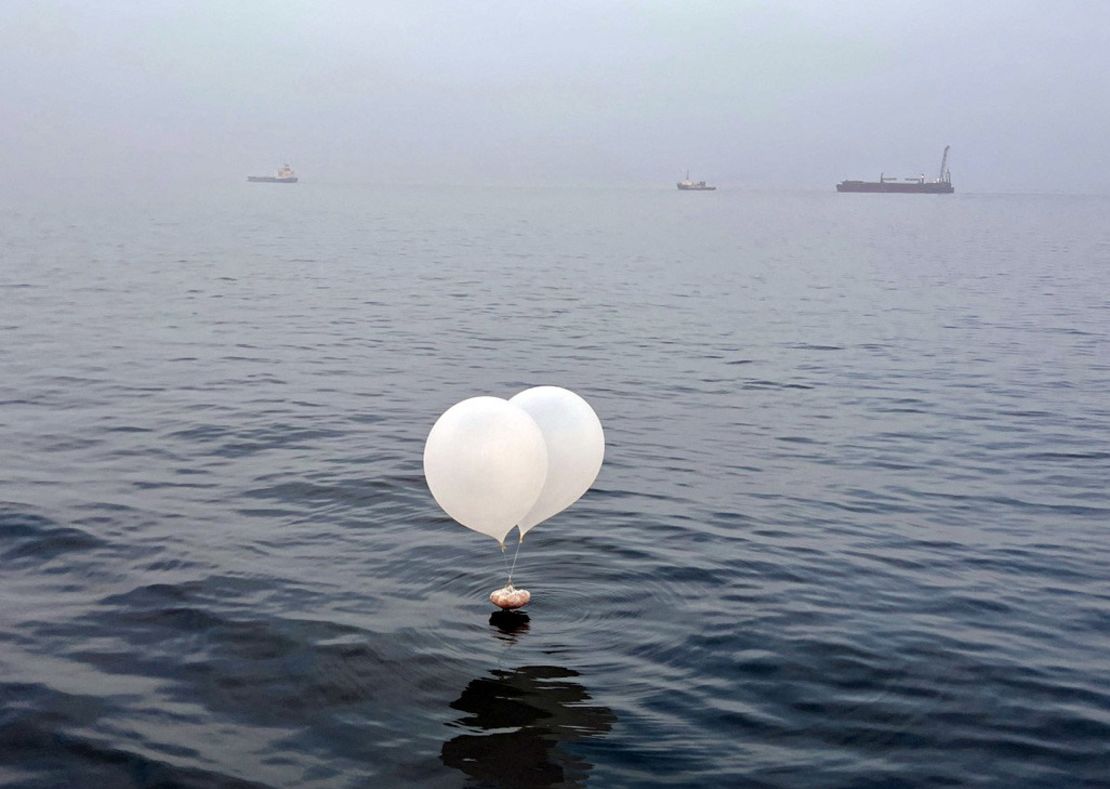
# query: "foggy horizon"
[[745, 95]]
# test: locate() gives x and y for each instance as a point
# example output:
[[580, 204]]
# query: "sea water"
[[852, 529]]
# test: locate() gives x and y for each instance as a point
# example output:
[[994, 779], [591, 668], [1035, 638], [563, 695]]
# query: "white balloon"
[[575, 448], [485, 462]]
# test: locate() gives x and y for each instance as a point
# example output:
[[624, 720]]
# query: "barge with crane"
[[942, 185]]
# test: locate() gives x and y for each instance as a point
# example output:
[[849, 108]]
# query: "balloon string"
[[515, 555]]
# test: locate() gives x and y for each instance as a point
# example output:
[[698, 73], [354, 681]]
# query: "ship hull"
[[271, 179], [893, 187], [697, 188]]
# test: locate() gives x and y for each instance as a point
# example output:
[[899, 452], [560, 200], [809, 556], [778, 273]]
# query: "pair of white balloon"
[[493, 464]]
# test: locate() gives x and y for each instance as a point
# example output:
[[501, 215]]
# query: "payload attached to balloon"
[[493, 464]]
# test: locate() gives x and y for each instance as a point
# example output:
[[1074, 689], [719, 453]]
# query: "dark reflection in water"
[[510, 624], [522, 719]]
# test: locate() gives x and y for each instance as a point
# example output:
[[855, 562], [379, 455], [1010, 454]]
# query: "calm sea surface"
[[853, 528]]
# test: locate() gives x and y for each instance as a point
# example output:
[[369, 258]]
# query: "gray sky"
[[774, 94]]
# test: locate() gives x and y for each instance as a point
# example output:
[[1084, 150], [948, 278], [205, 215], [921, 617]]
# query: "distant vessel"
[[686, 185], [919, 186], [284, 176]]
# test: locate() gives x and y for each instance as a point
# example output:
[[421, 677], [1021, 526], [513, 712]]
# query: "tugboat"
[[686, 185], [285, 175]]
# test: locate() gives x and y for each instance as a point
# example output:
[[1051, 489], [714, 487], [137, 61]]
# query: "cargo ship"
[[916, 186], [686, 185], [285, 175]]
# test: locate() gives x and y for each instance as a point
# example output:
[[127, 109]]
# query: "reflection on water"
[[510, 624], [521, 719]]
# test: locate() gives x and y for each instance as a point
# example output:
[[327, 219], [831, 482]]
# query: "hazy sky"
[[773, 94]]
